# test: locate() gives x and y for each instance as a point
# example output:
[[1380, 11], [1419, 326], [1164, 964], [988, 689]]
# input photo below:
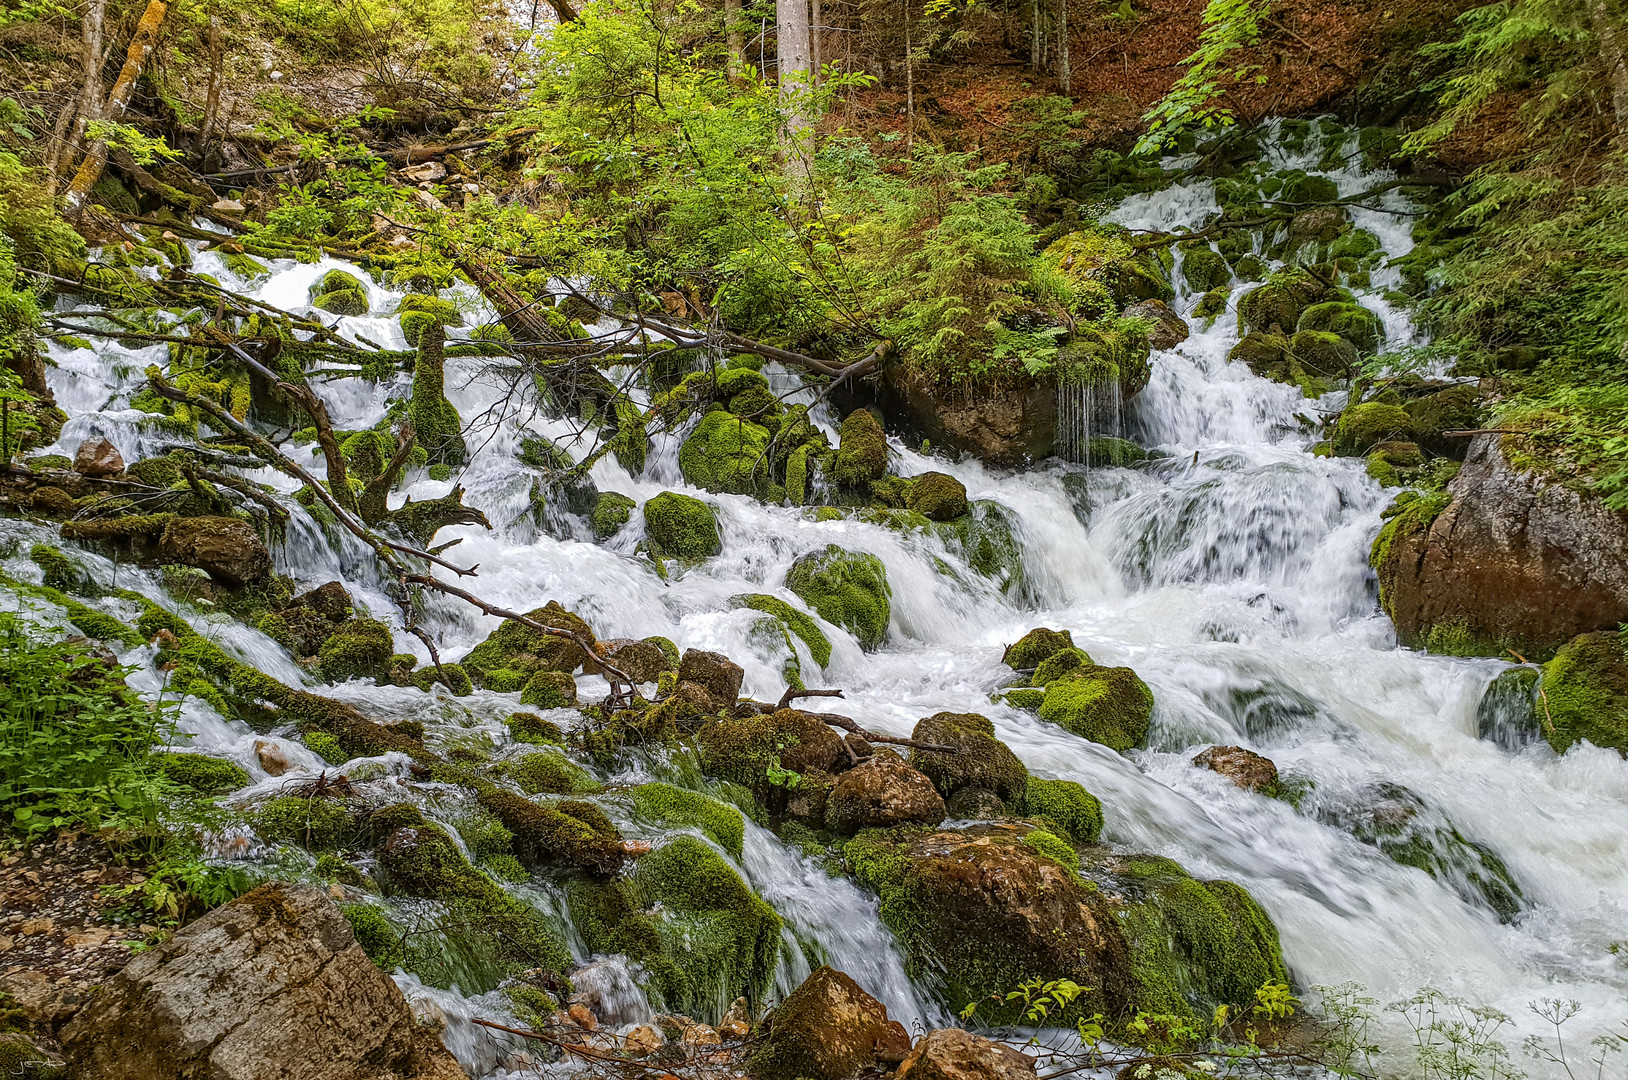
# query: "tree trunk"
[[736, 59], [909, 84], [141, 47], [1065, 77], [217, 61], [814, 41], [1608, 36], [1034, 36], [792, 60]]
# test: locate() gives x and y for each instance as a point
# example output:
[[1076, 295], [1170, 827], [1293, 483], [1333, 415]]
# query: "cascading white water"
[[1231, 574]]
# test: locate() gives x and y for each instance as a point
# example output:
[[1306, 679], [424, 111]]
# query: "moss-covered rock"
[[757, 752], [514, 652], [986, 536], [339, 293], [1060, 663], [682, 527], [314, 824], [611, 511], [549, 690], [861, 451], [827, 1029], [727, 454], [1353, 322], [530, 728], [1035, 646], [203, 774], [549, 773], [1324, 354], [1363, 425], [794, 621], [1069, 809], [849, 589], [1585, 692], [670, 805], [980, 761], [359, 648], [568, 831], [1457, 408], [1203, 268], [937, 496], [436, 423], [1108, 705], [1280, 300]]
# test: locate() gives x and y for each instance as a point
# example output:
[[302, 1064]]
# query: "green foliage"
[[1228, 26]]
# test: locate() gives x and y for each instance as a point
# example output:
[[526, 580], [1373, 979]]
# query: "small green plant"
[[1274, 1001]]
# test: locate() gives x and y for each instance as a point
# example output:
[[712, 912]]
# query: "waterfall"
[[1232, 574]]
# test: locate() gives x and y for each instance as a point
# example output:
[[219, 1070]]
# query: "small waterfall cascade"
[[1230, 571]]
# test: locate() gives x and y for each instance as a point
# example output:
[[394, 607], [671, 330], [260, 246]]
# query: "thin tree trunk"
[[217, 61], [58, 156], [141, 47], [736, 60], [1608, 36], [909, 84], [1034, 36], [792, 60], [814, 41], [91, 31], [1064, 75]]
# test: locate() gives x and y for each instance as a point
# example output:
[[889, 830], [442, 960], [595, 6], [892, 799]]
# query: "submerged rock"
[[271, 981], [1512, 560], [827, 1029], [1508, 713], [954, 1054], [1243, 767]]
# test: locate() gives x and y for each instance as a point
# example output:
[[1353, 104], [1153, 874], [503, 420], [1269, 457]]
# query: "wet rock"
[[937, 496], [1034, 647], [305, 624], [271, 756], [862, 450], [1585, 692], [1508, 713], [974, 804], [97, 456], [643, 661], [1108, 705], [681, 527], [880, 792], [1011, 425], [642, 1040], [1169, 329], [1514, 560], [727, 454], [743, 750], [848, 589], [583, 1017], [1243, 767], [954, 1054], [714, 672], [827, 1029], [701, 1035], [273, 978], [514, 652], [227, 549], [980, 760]]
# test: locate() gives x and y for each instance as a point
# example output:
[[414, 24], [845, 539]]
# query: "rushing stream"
[[1231, 573]]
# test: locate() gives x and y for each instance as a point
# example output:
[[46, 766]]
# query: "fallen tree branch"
[[792, 695], [847, 723]]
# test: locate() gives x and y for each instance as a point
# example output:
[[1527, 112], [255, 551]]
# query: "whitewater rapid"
[[1231, 574]]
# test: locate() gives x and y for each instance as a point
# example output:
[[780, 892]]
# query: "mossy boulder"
[[1058, 664], [203, 774], [611, 511], [827, 1029], [861, 451], [359, 648], [1585, 691], [682, 527], [514, 652], [1456, 408], [567, 831], [1280, 300], [1035, 646], [981, 760], [549, 690], [986, 536], [882, 792], [549, 773], [1066, 807], [848, 588], [1353, 322], [530, 728], [1301, 187], [936, 496], [1324, 354], [793, 621], [670, 805], [1108, 705], [339, 293], [1203, 268], [1364, 425], [727, 454], [757, 752], [313, 823]]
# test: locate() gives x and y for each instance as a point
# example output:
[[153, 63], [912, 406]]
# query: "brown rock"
[[1243, 767], [269, 987], [827, 1029], [878, 793], [429, 171], [97, 457], [1169, 329], [1514, 561], [953, 1054], [1008, 426], [714, 672], [583, 1017], [271, 756], [701, 1035], [642, 1040], [226, 548], [641, 660]]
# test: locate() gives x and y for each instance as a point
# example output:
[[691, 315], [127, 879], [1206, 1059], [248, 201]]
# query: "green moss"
[[726, 454], [342, 302], [247, 267], [1279, 300], [550, 774], [376, 934], [1194, 945], [1108, 705], [531, 728], [523, 651], [436, 424], [87, 620], [1300, 187], [980, 760], [794, 621], [1071, 810], [1035, 646], [203, 774], [451, 676], [1050, 846], [326, 747], [797, 475], [611, 511], [1212, 305], [1058, 664], [359, 648], [569, 831], [861, 452], [534, 1007], [848, 589], [1362, 426], [314, 824], [549, 690], [1353, 322], [1025, 697], [58, 570], [682, 527], [1203, 268], [676, 806], [986, 537], [937, 496], [1585, 693]]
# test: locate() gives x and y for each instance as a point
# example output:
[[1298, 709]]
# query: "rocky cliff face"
[[1513, 561]]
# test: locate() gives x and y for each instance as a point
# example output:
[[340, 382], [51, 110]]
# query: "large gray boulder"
[[272, 986]]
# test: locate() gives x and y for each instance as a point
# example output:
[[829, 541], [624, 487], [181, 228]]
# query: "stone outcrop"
[[1009, 426], [879, 792], [227, 549], [97, 456], [954, 1054], [828, 1029], [272, 985], [1514, 561]]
